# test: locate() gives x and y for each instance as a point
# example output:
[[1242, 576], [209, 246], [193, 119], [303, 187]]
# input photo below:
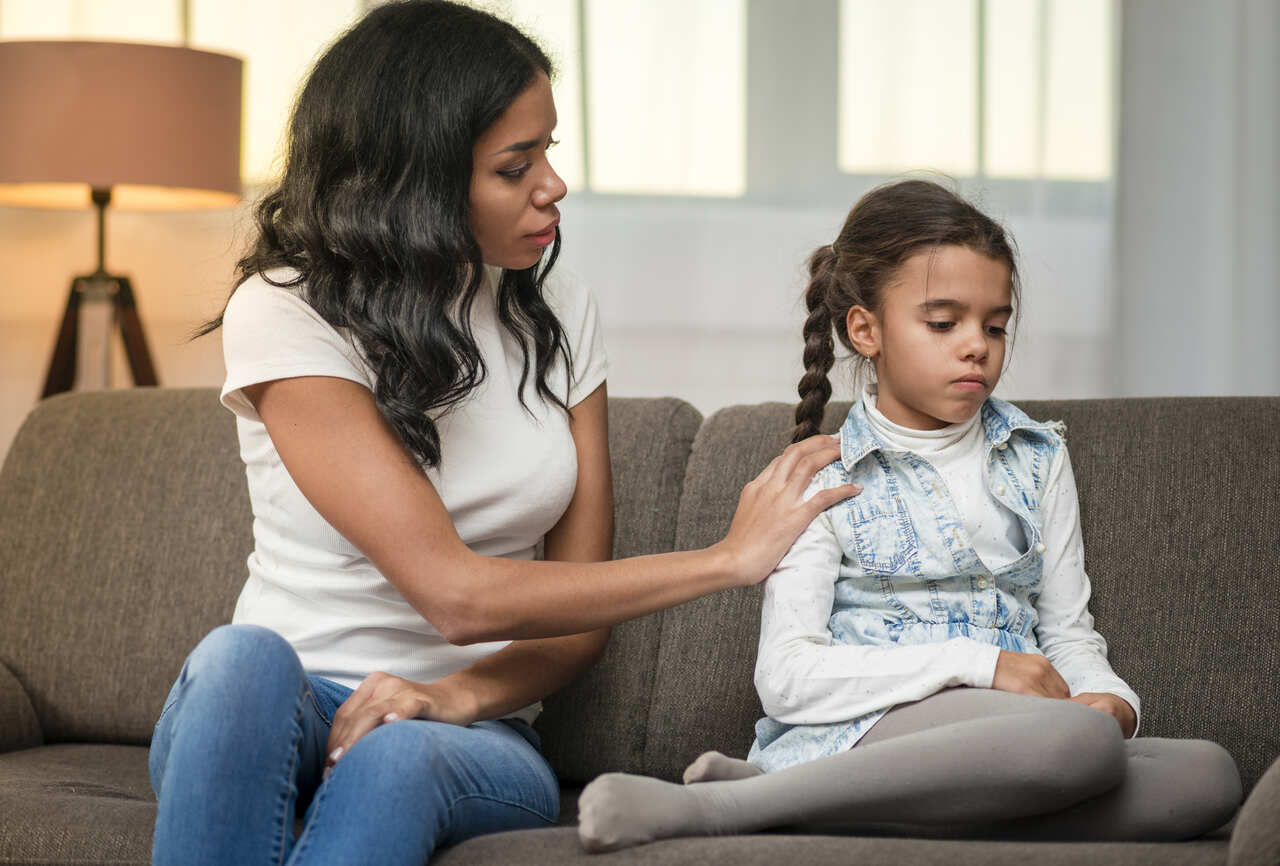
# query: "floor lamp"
[[127, 125]]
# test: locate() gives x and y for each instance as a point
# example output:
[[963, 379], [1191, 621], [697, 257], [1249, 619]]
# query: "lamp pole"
[[99, 287]]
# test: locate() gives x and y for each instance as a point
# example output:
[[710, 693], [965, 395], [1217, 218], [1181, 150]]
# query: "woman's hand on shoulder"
[[1116, 707], [772, 510], [1028, 674], [383, 698]]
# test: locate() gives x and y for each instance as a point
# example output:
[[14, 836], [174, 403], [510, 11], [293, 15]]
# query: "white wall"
[[180, 265], [1198, 200], [701, 299]]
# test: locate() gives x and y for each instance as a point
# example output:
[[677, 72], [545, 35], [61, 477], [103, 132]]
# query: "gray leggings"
[[963, 762], [981, 762]]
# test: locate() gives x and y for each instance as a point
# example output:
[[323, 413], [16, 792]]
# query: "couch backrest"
[[601, 721], [125, 525], [1182, 540]]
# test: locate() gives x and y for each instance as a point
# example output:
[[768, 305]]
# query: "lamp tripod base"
[[62, 366]]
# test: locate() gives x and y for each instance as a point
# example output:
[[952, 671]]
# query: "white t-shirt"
[[505, 476]]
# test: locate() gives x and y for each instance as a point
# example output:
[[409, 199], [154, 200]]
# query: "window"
[[1002, 89], [130, 20], [664, 106], [907, 95], [991, 88]]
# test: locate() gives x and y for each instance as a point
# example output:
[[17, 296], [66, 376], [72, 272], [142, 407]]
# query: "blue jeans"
[[239, 751]]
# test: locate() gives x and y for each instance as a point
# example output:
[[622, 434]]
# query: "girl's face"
[[938, 340], [513, 187]]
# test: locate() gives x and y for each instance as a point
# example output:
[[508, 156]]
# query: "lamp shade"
[[158, 125]]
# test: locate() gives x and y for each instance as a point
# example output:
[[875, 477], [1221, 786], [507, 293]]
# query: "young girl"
[[927, 657]]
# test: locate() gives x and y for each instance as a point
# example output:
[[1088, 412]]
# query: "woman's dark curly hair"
[[372, 212], [886, 227]]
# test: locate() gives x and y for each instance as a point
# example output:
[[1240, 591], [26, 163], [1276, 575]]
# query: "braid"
[[819, 348]]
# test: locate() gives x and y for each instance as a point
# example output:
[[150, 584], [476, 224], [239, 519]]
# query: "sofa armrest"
[[1255, 841], [19, 727]]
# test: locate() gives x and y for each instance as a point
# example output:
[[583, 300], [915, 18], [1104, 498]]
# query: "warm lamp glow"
[[118, 116], [67, 196], [125, 125]]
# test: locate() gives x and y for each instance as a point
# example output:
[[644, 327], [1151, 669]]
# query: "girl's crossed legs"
[[974, 762], [242, 740]]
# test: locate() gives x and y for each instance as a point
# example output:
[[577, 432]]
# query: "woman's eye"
[[996, 331], [514, 173], [940, 326]]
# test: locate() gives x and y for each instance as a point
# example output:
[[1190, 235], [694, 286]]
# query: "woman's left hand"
[[383, 698], [1117, 708]]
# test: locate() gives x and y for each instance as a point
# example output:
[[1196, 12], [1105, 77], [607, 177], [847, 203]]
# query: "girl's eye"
[[514, 173], [940, 326], [996, 331]]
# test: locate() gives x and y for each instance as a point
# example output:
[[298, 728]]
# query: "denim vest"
[[908, 574]]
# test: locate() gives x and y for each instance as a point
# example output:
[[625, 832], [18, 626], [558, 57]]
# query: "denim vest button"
[[1000, 490], [982, 583], [1002, 446], [1039, 547]]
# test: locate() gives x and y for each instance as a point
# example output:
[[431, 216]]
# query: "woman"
[[419, 402]]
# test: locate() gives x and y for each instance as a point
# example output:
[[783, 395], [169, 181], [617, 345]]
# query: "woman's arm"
[[354, 470], [1065, 632], [527, 670], [805, 679]]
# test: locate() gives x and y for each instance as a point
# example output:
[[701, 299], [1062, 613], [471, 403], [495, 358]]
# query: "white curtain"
[[1198, 198]]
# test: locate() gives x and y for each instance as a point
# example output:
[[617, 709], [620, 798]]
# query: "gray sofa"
[[124, 526]]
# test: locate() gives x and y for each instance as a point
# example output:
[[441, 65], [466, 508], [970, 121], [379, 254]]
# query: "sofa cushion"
[[19, 728], [1180, 522], [1257, 835], [124, 517], [73, 804], [600, 722], [560, 846], [127, 513], [703, 695], [1181, 526]]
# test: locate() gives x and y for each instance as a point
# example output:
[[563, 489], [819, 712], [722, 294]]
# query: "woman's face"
[[514, 189]]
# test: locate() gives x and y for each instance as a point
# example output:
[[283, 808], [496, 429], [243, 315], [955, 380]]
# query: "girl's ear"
[[864, 331]]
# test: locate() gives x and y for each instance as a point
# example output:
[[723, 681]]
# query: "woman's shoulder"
[[269, 331], [279, 289], [272, 306]]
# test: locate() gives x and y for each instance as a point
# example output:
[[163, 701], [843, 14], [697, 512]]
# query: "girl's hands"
[[382, 698], [1031, 674], [1028, 674], [1116, 707], [772, 511]]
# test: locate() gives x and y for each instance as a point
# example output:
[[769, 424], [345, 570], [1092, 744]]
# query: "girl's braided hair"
[[886, 227]]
